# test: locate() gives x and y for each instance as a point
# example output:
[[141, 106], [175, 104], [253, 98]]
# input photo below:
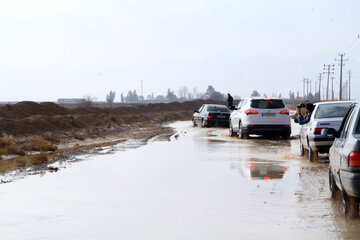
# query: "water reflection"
[[255, 168]]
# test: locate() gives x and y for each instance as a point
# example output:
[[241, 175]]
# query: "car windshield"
[[332, 110], [267, 104], [218, 109]]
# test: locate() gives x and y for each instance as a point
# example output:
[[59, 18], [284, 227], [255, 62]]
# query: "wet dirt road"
[[200, 185]]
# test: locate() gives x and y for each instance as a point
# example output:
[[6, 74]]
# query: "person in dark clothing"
[[230, 100], [309, 109]]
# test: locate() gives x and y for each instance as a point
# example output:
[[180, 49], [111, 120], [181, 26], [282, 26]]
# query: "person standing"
[[230, 100]]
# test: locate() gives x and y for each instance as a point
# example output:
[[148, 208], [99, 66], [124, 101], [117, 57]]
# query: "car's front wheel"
[[332, 185], [194, 122]]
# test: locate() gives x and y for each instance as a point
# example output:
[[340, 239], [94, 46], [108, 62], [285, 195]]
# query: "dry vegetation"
[[7, 146], [38, 144]]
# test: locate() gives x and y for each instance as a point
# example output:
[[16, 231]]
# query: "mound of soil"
[[30, 118]]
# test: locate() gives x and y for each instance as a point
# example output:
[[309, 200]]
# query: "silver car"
[[325, 115], [344, 167]]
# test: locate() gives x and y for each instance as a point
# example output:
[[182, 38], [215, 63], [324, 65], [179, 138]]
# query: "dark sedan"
[[211, 115]]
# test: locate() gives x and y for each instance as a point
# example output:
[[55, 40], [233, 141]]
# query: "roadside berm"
[[35, 133]]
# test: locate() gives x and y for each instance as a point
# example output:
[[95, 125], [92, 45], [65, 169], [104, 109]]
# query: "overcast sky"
[[51, 49]]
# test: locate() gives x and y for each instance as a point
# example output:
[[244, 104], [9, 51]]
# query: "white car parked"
[[325, 115], [263, 116]]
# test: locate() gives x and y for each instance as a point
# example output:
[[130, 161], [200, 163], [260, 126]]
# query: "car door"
[[197, 117], [235, 118], [338, 152]]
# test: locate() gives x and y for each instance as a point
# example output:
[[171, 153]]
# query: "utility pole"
[[142, 93], [320, 86], [349, 83], [332, 89], [329, 68], [341, 64], [304, 79]]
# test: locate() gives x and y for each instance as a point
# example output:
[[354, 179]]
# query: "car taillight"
[[317, 130], [354, 159], [285, 112], [286, 125], [247, 112], [250, 125], [267, 99], [210, 116]]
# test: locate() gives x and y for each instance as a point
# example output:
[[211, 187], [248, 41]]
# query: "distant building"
[[71, 100]]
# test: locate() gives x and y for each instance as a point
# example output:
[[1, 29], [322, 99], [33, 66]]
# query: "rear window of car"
[[267, 104], [218, 109], [332, 110]]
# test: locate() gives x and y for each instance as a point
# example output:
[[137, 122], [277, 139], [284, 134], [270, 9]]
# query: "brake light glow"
[[250, 125], [247, 112], [317, 130], [285, 112], [267, 99], [286, 125], [354, 159], [209, 116]]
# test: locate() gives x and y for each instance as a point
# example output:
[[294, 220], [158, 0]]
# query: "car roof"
[[215, 105], [333, 102], [260, 98]]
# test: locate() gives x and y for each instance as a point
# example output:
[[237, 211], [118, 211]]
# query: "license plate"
[[221, 116], [268, 114]]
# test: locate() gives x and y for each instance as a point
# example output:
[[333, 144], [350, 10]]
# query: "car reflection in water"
[[261, 169]]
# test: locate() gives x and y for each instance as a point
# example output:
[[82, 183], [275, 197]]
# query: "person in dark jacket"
[[309, 109], [230, 100]]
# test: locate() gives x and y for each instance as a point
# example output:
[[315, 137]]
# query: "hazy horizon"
[[71, 49]]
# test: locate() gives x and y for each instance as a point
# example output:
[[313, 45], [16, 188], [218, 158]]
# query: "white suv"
[[263, 116]]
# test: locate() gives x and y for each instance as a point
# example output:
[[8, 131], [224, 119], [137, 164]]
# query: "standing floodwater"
[[200, 185]]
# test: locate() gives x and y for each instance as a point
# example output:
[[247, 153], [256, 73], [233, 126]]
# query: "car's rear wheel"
[[286, 136], [242, 135], [231, 130], [312, 155], [204, 123], [332, 185], [350, 205]]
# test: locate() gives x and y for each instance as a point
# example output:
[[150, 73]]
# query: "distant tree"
[[279, 95], [122, 98], [265, 95], [160, 98], [171, 97], [183, 92], [217, 96], [255, 93], [195, 93], [110, 97], [291, 95], [209, 91]]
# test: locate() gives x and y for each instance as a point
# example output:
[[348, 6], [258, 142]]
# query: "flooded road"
[[200, 185]]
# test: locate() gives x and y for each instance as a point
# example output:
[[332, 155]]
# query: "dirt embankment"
[[31, 130]]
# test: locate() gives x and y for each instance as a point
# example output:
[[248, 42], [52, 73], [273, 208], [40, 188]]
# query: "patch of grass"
[[38, 144], [75, 134], [38, 158]]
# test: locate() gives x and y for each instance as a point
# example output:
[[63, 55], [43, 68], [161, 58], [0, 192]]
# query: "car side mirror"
[[330, 132], [196, 111]]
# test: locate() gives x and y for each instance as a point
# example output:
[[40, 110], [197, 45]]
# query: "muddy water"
[[200, 185]]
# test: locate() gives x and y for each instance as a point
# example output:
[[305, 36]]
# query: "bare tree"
[[89, 100]]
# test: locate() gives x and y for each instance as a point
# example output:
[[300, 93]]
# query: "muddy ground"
[[34, 133]]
